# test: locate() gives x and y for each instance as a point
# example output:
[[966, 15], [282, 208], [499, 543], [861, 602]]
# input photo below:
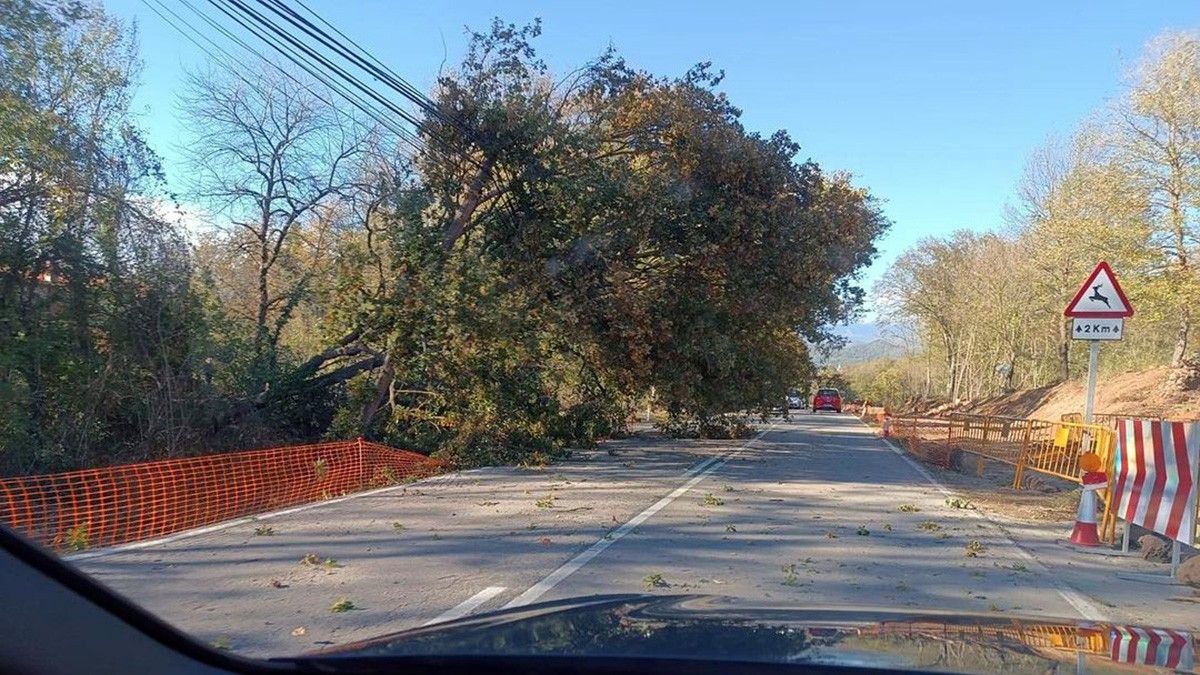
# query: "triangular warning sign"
[[1100, 297]]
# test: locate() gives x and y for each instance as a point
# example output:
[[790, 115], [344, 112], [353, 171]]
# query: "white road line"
[[1086, 608], [699, 466], [574, 564], [467, 606]]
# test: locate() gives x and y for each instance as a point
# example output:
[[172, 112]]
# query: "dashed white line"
[[467, 606], [574, 564], [700, 466]]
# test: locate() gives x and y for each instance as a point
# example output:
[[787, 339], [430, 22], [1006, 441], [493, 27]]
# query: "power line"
[[187, 30], [308, 52], [311, 54], [362, 58]]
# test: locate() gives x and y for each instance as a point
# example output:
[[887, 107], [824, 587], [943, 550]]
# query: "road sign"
[[1098, 310], [1100, 297], [1097, 329]]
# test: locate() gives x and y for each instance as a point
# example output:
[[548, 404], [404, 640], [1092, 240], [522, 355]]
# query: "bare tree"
[[272, 160]]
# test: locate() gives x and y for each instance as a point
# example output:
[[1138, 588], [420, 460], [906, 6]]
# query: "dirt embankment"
[[1134, 393]]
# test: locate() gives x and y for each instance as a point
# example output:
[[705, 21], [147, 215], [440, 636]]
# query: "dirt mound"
[[1140, 393]]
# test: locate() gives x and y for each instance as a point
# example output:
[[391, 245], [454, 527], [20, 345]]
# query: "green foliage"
[[560, 251], [77, 538], [95, 302], [790, 577], [679, 424], [342, 605], [652, 581]]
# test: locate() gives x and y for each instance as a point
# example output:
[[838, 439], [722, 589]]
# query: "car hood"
[[711, 628]]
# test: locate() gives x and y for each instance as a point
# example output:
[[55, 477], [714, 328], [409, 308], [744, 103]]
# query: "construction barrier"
[[1088, 638], [1118, 643], [1109, 419], [926, 438], [1051, 448], [1156, 471], [119, 504], [1152, 647]]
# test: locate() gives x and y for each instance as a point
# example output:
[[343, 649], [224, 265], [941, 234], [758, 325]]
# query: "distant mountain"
[[859, 332], [857, 352]]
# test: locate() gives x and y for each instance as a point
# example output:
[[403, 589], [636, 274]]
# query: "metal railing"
[[1047, 447], [1042, 446]]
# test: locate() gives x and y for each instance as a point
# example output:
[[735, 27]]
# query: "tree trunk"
[[1064, 349], [1181, 339], [471, 201], [1176, 210], [383, 387], [264, 304]]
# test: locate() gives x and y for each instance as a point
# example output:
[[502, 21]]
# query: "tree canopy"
[[556, 250]]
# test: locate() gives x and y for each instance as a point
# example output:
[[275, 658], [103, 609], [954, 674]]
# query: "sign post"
[[1089, 409], [1097, 316]]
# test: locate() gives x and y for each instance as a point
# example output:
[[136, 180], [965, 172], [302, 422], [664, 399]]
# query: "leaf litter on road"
[[654, 581]]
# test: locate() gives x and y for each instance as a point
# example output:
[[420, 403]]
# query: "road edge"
[[1078, 600]]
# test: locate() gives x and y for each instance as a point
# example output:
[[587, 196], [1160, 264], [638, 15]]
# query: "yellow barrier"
[[1052, 448], [1042, 446], [1090, 639]]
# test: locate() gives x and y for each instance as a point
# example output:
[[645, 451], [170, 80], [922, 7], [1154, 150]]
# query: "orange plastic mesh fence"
[[923, 437], [1000, 438], [119, 504]]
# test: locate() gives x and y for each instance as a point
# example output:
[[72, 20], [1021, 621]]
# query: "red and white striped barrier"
[[1156, 475], [1152, 647]]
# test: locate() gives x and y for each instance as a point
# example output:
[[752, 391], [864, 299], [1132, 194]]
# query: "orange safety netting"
[[119, 504]]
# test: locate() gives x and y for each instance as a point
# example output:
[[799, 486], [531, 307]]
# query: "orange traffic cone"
[[1085, 533]]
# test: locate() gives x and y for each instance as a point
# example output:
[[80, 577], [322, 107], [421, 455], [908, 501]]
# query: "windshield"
[[322, 322]]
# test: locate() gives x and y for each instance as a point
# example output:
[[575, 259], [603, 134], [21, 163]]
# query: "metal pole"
[[1125, 537], [1175, 559], [1093, 360]]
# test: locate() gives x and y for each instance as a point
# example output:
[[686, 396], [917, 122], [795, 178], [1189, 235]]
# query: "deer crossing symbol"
[[1096, 296]]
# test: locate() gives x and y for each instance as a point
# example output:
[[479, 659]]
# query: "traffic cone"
[[1085, 533]]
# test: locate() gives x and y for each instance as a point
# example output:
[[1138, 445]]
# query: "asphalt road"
[[814, 511]]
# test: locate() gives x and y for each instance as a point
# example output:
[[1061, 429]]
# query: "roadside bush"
[[727, 426]]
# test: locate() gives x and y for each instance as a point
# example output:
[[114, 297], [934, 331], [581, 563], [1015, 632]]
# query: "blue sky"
[[932, 105]]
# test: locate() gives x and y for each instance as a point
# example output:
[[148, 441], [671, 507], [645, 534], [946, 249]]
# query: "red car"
[[827, 399]]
